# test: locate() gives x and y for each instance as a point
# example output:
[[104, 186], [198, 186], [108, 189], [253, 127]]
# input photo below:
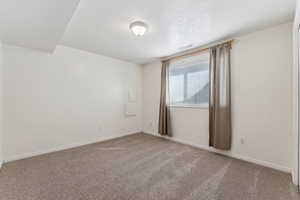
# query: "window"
[[189, 81]]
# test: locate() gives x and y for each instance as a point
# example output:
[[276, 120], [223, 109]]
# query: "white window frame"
[[199, 106], [195, 106]]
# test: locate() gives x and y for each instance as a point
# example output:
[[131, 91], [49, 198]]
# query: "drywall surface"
[[296, 138], [261, 101], [61, 100], [1, 107]]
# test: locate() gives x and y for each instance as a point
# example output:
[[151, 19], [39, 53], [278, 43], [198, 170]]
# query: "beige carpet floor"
[[141, 167]]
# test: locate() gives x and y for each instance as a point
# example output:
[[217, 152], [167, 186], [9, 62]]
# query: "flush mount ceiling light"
[[138, 28]]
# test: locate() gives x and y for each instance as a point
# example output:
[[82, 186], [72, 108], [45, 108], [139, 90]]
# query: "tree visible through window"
[[189, 81]]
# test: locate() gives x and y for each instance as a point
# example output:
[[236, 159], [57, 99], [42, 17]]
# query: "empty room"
[[149, 100]]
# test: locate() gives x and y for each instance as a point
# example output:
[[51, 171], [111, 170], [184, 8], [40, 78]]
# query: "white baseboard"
[[230, 154], [64, 147]]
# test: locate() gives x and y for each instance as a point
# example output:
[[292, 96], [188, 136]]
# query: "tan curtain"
[[164, 127], [220, 98]]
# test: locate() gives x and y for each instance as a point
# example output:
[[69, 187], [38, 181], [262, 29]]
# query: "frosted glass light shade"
[[138, 28]]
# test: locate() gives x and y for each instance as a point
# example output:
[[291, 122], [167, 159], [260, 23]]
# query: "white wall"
[[1, 108], [296, 138], [261, 100], [69, 98]]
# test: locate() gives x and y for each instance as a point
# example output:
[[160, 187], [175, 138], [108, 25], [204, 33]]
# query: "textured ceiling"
[[101, 26], [37, 24]]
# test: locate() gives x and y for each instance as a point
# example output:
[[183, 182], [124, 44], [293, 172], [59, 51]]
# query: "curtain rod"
[[194, 51]]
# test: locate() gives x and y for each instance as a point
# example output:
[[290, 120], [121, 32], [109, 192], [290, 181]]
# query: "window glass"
[[189, 81]]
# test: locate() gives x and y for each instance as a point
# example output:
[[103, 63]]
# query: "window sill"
[[203, 106]]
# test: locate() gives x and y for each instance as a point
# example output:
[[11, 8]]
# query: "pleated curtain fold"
[[164, 123], [220, 98], [220, 128]]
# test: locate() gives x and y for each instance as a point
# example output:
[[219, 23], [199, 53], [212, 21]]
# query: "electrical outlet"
[[242, 141], [151, 125], [100, 127]]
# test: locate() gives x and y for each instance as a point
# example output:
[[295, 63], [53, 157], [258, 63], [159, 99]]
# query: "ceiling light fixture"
[[138, 28]]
